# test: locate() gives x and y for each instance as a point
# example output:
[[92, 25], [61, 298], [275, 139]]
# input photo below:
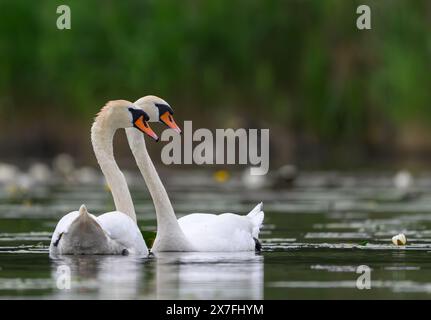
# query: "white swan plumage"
[[80, 232], [223, 232], [117, 232], [197, 231]]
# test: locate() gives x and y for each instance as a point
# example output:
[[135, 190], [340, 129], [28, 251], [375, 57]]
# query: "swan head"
[[124, 114], [158, 110]]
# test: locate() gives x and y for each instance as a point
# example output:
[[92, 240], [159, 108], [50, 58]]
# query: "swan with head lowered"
[[197, 231], [80, 232]]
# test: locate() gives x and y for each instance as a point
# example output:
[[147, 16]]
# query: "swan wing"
[[122, 229], [223, 232], [62, 226]]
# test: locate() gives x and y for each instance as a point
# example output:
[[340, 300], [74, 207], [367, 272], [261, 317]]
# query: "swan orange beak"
[[143, 126], [167, 119]]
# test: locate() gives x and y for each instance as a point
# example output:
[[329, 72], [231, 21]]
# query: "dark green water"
[[315, 236]]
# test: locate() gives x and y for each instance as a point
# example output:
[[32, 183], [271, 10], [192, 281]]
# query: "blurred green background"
[[332, 96]]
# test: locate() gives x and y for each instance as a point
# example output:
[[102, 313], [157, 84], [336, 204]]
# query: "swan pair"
[[117, 232]]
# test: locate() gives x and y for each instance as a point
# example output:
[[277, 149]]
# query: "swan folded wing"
[[62, 226], [122, 229], [224, 232]]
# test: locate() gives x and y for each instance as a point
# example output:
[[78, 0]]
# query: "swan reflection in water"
[[170, 275], [100, 277], [209, 275]]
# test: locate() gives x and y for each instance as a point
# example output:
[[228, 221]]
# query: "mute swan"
[[114, 232], [197, 231]]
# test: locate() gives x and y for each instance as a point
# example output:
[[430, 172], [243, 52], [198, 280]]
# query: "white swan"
[[197, 231], [114, 232]]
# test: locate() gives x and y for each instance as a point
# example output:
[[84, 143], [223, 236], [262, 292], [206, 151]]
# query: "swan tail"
[[83, 212], [256, 216]]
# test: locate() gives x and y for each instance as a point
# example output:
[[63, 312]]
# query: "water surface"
[[316, 234]]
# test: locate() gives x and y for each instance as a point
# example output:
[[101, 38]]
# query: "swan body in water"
[[80, 232], [197, 231]]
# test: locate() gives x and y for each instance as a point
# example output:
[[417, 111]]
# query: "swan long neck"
[[167, 223], [102, 136]]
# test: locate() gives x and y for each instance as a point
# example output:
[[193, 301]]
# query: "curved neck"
[[167, 223], [102, 136]]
